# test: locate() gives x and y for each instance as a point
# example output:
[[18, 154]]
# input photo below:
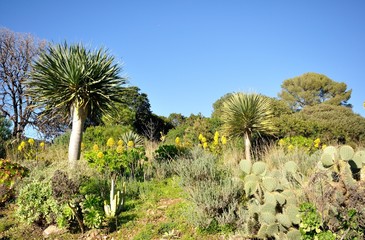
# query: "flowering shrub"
[[29, 150], [9, 173], [289, 143], [124, 157], [216, 146]]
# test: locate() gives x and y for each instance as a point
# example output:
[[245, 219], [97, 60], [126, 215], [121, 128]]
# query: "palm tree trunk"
[[247, 146], [78, 119]]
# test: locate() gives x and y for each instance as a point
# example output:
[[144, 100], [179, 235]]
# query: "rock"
[[53, 230]]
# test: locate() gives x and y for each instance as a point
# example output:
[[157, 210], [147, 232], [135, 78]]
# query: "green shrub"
[[36, 204], [165, 153], [311, 226], [214, 195], [92, 209], [10, 173], [127, 157]]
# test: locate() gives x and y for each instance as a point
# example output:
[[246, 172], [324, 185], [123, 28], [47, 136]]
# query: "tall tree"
[[17, 51], [5, 135], [312, 88], [246, 114], [78, 82]]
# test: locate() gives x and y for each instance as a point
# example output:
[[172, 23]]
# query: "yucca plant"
[[244, 114], [77, 82]]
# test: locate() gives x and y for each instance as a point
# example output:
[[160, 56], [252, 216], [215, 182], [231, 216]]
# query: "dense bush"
[[36, 204], [10, 174], [215, 196], [332, 124]]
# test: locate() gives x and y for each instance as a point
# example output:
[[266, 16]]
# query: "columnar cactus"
[[114, 208]]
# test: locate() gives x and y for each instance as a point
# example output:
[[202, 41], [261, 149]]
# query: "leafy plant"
[[214, 194], [311, 226], [30, 150], [92, 209], [10, 173], [125, 157], [310, 145], [36, 204]]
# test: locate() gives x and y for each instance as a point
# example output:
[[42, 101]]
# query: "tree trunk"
[[247, 146], [74, 148]]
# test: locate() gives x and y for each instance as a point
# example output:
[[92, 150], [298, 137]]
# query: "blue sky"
[[187, 54]]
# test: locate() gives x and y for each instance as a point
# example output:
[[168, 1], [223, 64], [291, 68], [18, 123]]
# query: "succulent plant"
[[271, 198], [343, 160], [114, 208]]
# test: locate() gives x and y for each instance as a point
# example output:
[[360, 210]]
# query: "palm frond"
[[66, 75], [247, 113]]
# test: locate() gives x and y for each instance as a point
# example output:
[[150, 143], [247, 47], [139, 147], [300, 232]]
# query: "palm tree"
[[79, 83], [247, 114]]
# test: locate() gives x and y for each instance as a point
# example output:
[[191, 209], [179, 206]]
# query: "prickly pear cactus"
[[272, 199], [343, 160]]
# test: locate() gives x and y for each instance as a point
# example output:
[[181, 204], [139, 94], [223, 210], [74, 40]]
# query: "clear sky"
[[186, 54]]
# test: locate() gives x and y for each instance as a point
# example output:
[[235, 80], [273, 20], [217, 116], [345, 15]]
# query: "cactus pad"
[[280, 198], [272, 230], [359, 156], [346, 152], [293, 234], [270, 198], [259, 168], [291, 167], [327, 160], [252, 177], [267, 207], [331, 150], [262, 231], [250, 187], [269, 183], [267, 217], [284, 220], [292, 212], [246, 166]]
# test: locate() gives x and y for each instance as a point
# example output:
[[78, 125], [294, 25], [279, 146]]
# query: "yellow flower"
[[96, 147], [20, 148], [31, 141], [42, 144], [290, 147], [23, 144], [317, 142], [203, 140], [177, 141], [216, 138], [224, 140], [281, 142], [130, 143], [205, 145], [120, 143], [110, 142], [200, 137], [324, 146], [100, 155], [120, 148]]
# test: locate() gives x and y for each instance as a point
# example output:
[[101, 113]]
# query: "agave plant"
[[77, 82], [246, 114]]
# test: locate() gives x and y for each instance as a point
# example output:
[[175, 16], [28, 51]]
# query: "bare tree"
[[17, 52]]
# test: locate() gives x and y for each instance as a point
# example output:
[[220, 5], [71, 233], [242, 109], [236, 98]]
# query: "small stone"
[[53, 230]]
